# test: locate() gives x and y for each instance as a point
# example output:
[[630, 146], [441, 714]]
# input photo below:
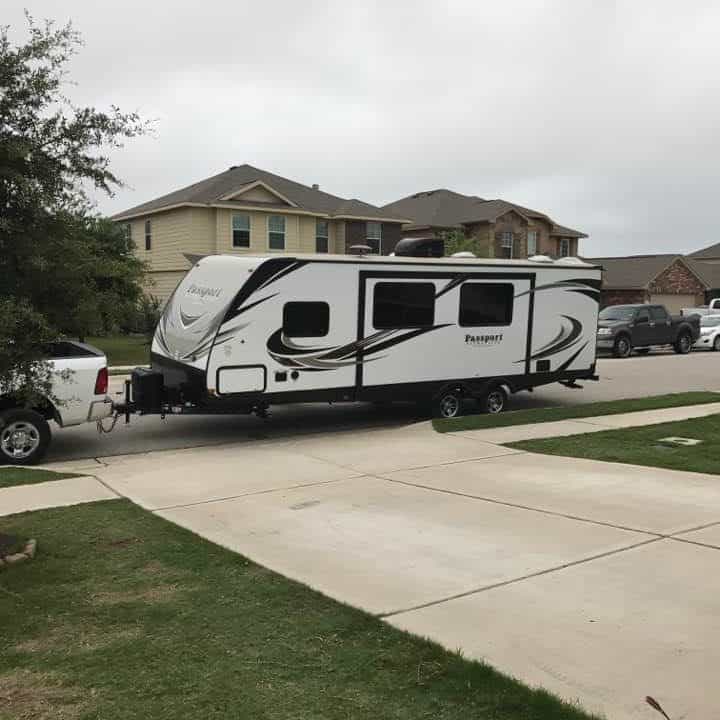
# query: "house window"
[[564, 247], [532, 243], [321, 236], [507, 243], [276, 232], [127, 231], [241, 231], [403, 305], [373, 236], [485, 304], [306, 319], [148, 235]]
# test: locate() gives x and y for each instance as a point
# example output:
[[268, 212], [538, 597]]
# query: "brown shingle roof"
[[445, 208], [212, 189], [712, 251], [708, 272], [635, 272]]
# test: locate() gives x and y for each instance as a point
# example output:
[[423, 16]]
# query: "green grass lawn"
[[20, 476], [640, 446], [123, 349], [541, 415], [124, 615]]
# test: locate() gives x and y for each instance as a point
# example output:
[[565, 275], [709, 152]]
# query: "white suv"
[[81, 394]]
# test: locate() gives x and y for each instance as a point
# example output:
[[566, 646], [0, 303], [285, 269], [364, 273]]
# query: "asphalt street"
[[653, 374]]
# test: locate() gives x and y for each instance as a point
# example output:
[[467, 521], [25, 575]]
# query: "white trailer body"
[[245, 332]]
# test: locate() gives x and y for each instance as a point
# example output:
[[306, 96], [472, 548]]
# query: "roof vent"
[[233, 167], [361, 249], [570, 260], [420, 247], [464, 254], [315, 186], [540, 259]]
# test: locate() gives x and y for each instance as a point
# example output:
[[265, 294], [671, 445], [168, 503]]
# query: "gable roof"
[[712, 251], [220, 190], [708, 272], [636, 272], [448, 209]]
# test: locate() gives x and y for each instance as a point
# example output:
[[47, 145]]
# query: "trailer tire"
[[494, 400], [623, 347], [24, 437], [683, 344], [448, 404]]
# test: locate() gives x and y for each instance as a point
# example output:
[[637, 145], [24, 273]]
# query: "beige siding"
[[202, 231], [339, 236], [308, 226], [162, 284], [170, 239], [257, 194]]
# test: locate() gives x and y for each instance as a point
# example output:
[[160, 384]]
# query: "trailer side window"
[[306, 319], [484, 304], [403, 305]]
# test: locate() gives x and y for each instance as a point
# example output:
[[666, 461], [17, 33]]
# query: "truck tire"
[[683, 344], [622, 347], [448, 404], [494, 401], [24, 437]]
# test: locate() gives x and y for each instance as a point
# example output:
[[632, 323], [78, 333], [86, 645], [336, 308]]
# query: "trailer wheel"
[[683, 344], [494, 401], [24, 437], [448, 404]]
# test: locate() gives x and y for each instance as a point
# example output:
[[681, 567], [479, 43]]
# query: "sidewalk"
[[535, 431], [53, 493]]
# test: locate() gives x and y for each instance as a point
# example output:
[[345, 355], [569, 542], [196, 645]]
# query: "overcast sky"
[[605, 115]]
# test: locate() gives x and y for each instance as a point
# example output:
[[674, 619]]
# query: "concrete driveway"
[[597, 581]]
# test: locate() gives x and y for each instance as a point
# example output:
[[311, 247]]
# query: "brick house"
[[670, 280], [245, 210], [503, 229]]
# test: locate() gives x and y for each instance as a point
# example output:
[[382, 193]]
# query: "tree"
[[457, 241], [63, 270]]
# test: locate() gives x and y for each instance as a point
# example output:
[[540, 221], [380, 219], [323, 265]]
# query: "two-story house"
[[502, 229], [248, 210]]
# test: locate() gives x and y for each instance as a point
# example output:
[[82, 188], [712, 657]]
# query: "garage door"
[[674, 303]]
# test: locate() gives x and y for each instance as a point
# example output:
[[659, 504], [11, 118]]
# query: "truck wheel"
[[448, 404], [494, 401], [24, 437], [623, 347], [683, 344]]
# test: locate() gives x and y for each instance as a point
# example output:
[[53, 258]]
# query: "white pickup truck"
[[711, 309], [80, 385]]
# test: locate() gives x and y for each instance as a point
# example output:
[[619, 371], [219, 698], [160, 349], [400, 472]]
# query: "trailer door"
[[422, 327]]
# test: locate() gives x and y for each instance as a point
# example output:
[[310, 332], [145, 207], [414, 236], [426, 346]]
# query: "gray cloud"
[[604, 115]]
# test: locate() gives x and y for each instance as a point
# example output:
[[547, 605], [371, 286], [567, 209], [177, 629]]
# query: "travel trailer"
[[242, 333]]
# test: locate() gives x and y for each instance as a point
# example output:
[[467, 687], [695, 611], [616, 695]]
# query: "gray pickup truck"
[[624, 328]]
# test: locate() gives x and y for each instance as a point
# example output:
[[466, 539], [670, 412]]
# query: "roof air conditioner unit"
[[540, 259], [464, 254]]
